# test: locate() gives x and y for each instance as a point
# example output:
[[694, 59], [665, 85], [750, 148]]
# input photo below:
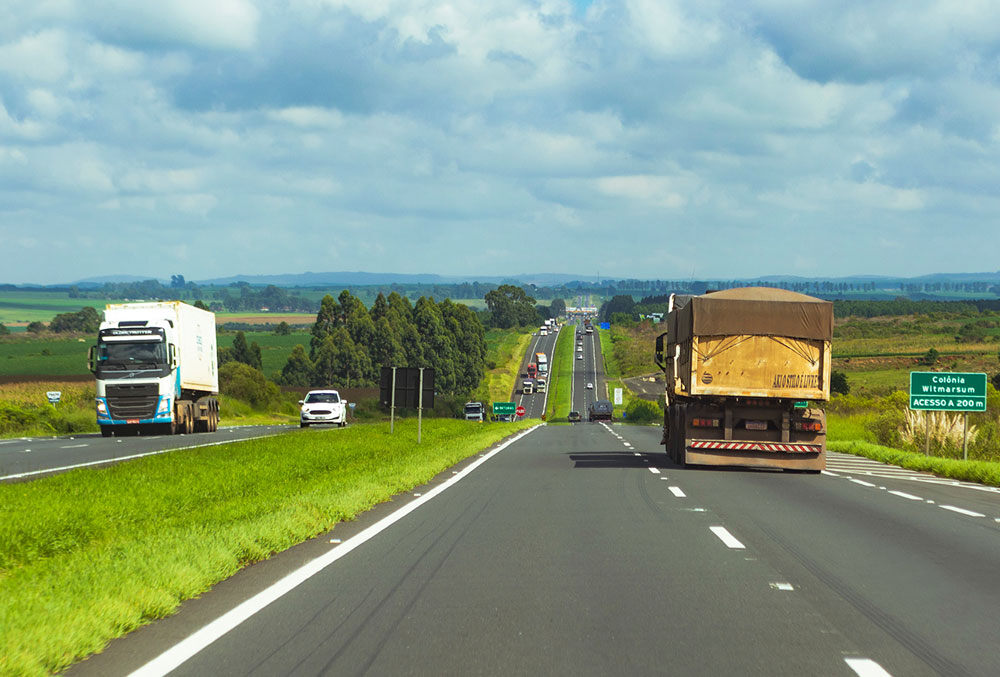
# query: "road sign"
[[504, 408], [521, 411], [618, 396], [947, 391], [53, 396]]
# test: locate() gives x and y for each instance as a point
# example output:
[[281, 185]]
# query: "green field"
[[51, 356], [42, 306], [92, 554]]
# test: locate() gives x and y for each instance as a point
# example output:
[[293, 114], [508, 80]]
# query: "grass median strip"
[[982, 472], [561, 379], [89, 555]]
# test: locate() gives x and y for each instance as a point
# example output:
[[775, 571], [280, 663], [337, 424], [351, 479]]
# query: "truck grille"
[[132, 400]]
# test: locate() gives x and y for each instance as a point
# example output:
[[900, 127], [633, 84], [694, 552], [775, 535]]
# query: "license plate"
[[756, 425]]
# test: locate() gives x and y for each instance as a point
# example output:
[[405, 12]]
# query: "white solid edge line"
[[655, 471], [866, 667], [128, 458], [677, 491], [727, 538], [178, 654], [831, 474], [862, 482], [903, 494], [962, 511]]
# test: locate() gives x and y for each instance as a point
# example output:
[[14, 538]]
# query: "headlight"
[[102, 407], [164, 407]]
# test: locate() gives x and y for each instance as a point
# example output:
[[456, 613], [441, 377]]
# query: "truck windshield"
[[473, 408], [131, 355]]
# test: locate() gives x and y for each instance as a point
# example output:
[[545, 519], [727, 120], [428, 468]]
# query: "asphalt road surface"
[[580, 549], [534, 403], [27, 458], [590, 370]]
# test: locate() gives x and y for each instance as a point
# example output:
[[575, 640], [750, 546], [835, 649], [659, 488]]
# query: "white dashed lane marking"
[[727, 538], [677, 491]]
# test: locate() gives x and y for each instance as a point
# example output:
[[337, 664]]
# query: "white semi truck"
[[156, 369]]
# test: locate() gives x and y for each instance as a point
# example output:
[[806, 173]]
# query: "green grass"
[[561, 377], [505, 348], [90, 555], [983, 472], [51, 355], [42, 306]]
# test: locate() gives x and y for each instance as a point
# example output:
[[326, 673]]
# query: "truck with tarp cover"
[[744, 368]]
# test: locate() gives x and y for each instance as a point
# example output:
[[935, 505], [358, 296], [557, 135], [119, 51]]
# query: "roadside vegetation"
[[560, 386], [89, 555], [504, 350]]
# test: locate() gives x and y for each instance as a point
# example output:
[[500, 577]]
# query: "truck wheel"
[[107, 431]]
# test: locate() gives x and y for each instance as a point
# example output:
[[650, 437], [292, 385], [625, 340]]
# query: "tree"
[[510, 306], [200, 304], [177, 282], [930, 358], [247, 354], [86, 320], [298, 370], [283, 329], [339, 360], [36, 327], [622, 303], [557, 308], [838, 383], [3, 330]]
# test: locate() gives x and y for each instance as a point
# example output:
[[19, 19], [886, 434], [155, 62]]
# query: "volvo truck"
[[156, 367], [744, 370]]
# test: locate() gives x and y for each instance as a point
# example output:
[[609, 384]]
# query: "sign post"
[[392, 407], [948, 391], [504, 408], [420, 405]]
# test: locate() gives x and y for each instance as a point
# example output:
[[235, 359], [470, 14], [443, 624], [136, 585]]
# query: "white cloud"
[[39, 56]]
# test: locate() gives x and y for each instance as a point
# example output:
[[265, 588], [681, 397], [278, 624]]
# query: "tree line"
[[350, 343]]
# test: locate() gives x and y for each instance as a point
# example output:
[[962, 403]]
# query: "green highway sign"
[[500, 408], [947, 391]]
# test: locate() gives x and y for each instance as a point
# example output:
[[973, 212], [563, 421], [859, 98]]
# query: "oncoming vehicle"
[[474, 411], [574, 417], [590, 386], [323, 406]]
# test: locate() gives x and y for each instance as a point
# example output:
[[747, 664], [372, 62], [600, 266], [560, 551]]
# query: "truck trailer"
[[156, 368], [743, 370]]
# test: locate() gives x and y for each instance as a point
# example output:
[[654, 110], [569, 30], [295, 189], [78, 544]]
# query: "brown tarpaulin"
[[761, 311]]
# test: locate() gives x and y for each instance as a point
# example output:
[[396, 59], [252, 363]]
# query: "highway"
[[588, 370], [26, 458], [581, 549], [534, 403]]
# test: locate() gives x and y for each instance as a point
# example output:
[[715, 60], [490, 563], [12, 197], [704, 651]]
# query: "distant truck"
[[475, 411], [156, 369], [543, 363], [741, 367], [601, 410], [532, 370], [527, 387], [540, 385]]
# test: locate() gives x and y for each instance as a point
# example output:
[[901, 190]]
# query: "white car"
[[590, 386], [323, 406], [579, 357]]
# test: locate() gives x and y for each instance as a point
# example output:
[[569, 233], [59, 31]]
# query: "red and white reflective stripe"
[[756, 446]]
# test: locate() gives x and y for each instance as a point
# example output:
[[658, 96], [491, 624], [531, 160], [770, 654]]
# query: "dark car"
[[574, 417], [601, 410]]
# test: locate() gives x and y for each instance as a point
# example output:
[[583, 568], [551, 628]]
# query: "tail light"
[[809, 426], [705, 422]]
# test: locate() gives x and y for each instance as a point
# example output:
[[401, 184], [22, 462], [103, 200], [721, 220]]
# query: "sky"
[[661, 139]]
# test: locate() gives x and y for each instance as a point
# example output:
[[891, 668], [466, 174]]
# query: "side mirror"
[[91, 362], [302, 401], [658, 355], [172, 356]]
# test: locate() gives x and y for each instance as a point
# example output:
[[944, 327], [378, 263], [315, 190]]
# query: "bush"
[[838, 383], [643, 411], [243, 382]]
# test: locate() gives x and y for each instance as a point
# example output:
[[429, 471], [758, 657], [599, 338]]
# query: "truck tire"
[[107, 431]]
